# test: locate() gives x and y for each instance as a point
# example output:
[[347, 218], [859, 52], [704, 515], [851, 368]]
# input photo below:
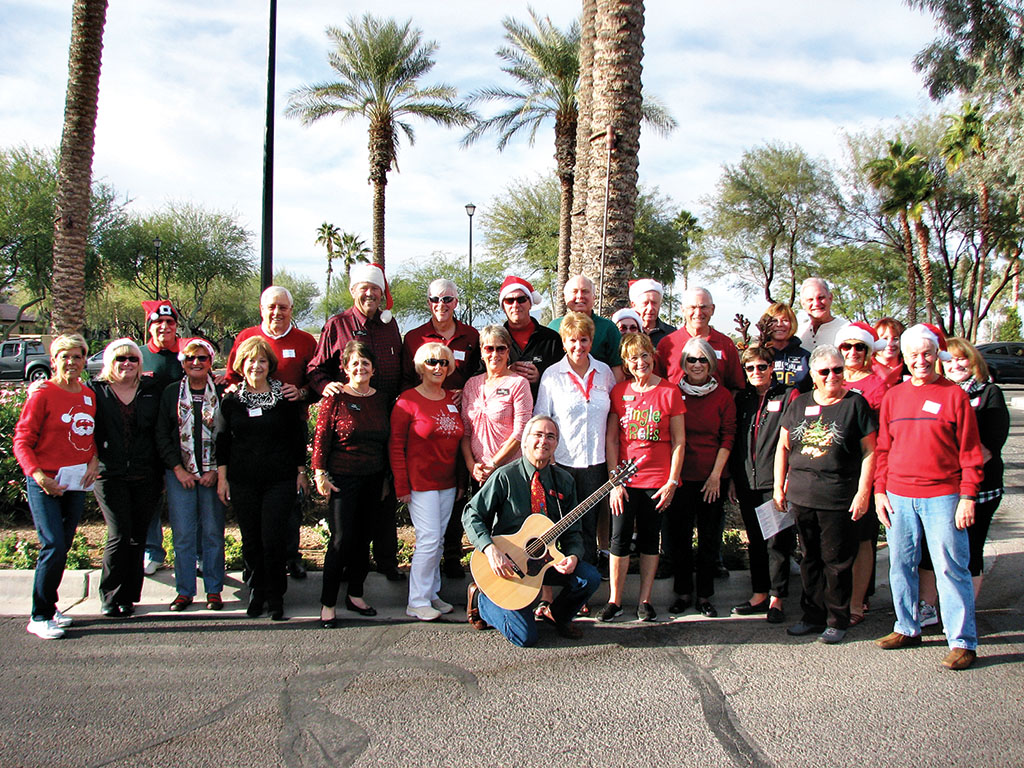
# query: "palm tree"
[[328, 236], [74, 175], [892, 176], [379, 64], [352, 250], [546, 63], [964, 141]]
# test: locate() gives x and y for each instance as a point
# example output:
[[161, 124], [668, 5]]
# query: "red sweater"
[[294, 350], [710, 425], [927, 442], [55, 429], [729, 371], [424, 444]]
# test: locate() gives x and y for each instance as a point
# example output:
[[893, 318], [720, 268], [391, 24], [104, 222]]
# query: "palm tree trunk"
[[565, 157], [74, 176], [581, 169], [617, 106], [381, 159], [923, 239], [908, 253]]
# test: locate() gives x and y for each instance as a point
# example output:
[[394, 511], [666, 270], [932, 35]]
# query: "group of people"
[[823, 422]]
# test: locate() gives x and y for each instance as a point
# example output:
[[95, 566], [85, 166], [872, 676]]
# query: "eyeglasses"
[[844, 347], [837, 370], [432, 361], [441, 299], [489, 349], [755, 367], [508, 301], [697, 360], [126, 359], [196, 358]]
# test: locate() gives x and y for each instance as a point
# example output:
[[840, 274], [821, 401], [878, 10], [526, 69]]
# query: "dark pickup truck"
[[24, 360]]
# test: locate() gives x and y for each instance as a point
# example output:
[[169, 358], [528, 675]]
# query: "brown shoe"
[[472, 611], [896, 640], [568, 630], [959, 658]]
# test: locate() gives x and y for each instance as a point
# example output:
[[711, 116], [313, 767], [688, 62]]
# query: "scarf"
[[187, 427], [972, 386], [694, 391], [265, 400]]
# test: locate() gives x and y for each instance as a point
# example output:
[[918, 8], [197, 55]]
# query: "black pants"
[[127, 504], [689, 508], [828, 544], [639, 508], [262, 510], [385, 533], [588, 480], [769, 560], [351, 513]]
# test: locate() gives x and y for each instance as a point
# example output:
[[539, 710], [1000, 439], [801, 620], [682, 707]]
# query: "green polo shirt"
[[606, 339]]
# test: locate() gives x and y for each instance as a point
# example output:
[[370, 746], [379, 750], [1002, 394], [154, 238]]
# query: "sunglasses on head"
[[510, 300], [441, 299], [196, 358], [432, 361], [858, 346], [126, 359], [751, 367], [697, 360], [837, 370]]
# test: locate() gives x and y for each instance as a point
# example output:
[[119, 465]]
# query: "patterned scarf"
[[267, 400], [694, 391], [972, 386], [187, 427]]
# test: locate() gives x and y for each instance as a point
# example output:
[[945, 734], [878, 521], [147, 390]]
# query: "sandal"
[[543, 612]]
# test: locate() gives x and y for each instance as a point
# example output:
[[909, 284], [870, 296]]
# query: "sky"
[[182, 101]]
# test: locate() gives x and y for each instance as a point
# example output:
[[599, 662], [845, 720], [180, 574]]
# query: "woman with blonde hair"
[[791, 359]]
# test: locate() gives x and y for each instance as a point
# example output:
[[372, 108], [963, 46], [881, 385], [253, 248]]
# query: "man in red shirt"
[[534, 347], [294, 349], [698, 307]]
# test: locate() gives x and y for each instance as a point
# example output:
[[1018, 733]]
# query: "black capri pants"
[[639, 510]]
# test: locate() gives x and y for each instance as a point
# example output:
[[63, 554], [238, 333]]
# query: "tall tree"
[[584, 131], [352, 250], [74, 177], [379, 64], [329, 236]]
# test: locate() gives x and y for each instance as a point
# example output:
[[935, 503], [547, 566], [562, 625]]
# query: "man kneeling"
[[513, 492]]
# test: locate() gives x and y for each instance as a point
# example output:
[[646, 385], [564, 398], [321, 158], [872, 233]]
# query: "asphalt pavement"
[[202, 688]]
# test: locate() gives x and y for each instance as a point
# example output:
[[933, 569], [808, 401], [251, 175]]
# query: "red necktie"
[[538, 504]]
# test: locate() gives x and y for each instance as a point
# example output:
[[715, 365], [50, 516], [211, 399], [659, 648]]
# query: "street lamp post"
[[470, 210], [157, 242]]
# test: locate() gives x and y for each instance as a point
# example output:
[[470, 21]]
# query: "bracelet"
[[674, 482], [964, 497]]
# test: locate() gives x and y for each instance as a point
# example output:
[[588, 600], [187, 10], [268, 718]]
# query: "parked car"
[[24, 360], [94, 365], [1005, 360]]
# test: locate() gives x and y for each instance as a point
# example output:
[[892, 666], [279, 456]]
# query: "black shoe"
[[706, 608], [112, 611], [609, 612], [296, 568], [393, 574], [775, 616], [256, 603], [749, 609], [329, 623], [127, 609], [367, 611], [277, 613], [452, 569], [721, 572], [645, 612], [681, 605]]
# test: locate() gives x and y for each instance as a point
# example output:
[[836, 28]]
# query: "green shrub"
[[18, 553], [168, 546], [12, 479], [78, 555], [232, 553]]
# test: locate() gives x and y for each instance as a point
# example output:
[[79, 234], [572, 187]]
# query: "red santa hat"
[[628, 312], [513, 283], [637, 288], [374, 274], [859, 331], [159, 309], [927, 332], [185, 344]]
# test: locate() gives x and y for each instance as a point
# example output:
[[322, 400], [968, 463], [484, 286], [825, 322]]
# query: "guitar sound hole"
[[536, 563]]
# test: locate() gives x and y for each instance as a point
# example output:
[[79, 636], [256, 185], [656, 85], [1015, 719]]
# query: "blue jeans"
[[933, 518], [188, 509], [520, 627], [56, 520], [154, 549]]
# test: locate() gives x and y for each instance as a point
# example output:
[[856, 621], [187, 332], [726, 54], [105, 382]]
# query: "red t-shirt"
[[644, 429], [55, 429], [425, 437]]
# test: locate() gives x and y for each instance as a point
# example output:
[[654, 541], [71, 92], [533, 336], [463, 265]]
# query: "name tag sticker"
[[774, 405], [288, 352], [628, 398], [354, 407], [360, 332], [86, 399], [254, 412], [930, 407], [718, 354], [452, 408], [501, 391], [812, 410], [460, 354], [975, 402]]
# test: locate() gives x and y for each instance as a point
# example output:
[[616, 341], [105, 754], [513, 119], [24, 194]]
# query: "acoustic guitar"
[[532, 549]]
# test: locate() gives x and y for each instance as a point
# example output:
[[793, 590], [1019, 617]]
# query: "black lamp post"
[[157, 242], [470, 210]]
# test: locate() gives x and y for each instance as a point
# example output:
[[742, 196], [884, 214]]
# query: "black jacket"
[[119, 457], [758, 423], [993, 428]]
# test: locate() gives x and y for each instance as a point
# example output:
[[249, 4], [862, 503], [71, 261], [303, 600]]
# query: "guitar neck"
[[579, 511]]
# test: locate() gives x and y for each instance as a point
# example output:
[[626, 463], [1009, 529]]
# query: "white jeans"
[[429, 511]]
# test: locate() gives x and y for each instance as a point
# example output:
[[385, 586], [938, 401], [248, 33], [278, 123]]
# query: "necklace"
[[356, 393]]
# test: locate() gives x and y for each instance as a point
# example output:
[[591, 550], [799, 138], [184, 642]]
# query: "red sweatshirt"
[[927, 442], [424, 445], [728, 372], [710, 425], [55, 429]]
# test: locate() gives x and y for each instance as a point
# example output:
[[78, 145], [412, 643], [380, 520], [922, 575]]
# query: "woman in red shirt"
[[426, 430], [54, 433]]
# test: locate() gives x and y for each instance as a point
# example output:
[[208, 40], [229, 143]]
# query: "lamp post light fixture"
[[470, 210]]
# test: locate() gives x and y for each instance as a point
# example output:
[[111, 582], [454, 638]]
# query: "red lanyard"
[[590, 383]]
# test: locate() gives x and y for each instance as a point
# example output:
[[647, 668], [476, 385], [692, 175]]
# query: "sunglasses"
[[126, 359], [697, 360], [432, 361], [196, 358], [441, 299], [490, 349], [837, 370], [510, 300], [858, 347], [756, 367]]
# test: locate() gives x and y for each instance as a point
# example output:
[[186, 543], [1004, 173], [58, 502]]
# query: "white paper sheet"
[[72, 476], [771, 520]]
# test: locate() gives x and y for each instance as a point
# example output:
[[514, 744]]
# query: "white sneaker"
[[422, 612], [928, 615], [47, 630], [441, 605], [149, 567], [61, 620]]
